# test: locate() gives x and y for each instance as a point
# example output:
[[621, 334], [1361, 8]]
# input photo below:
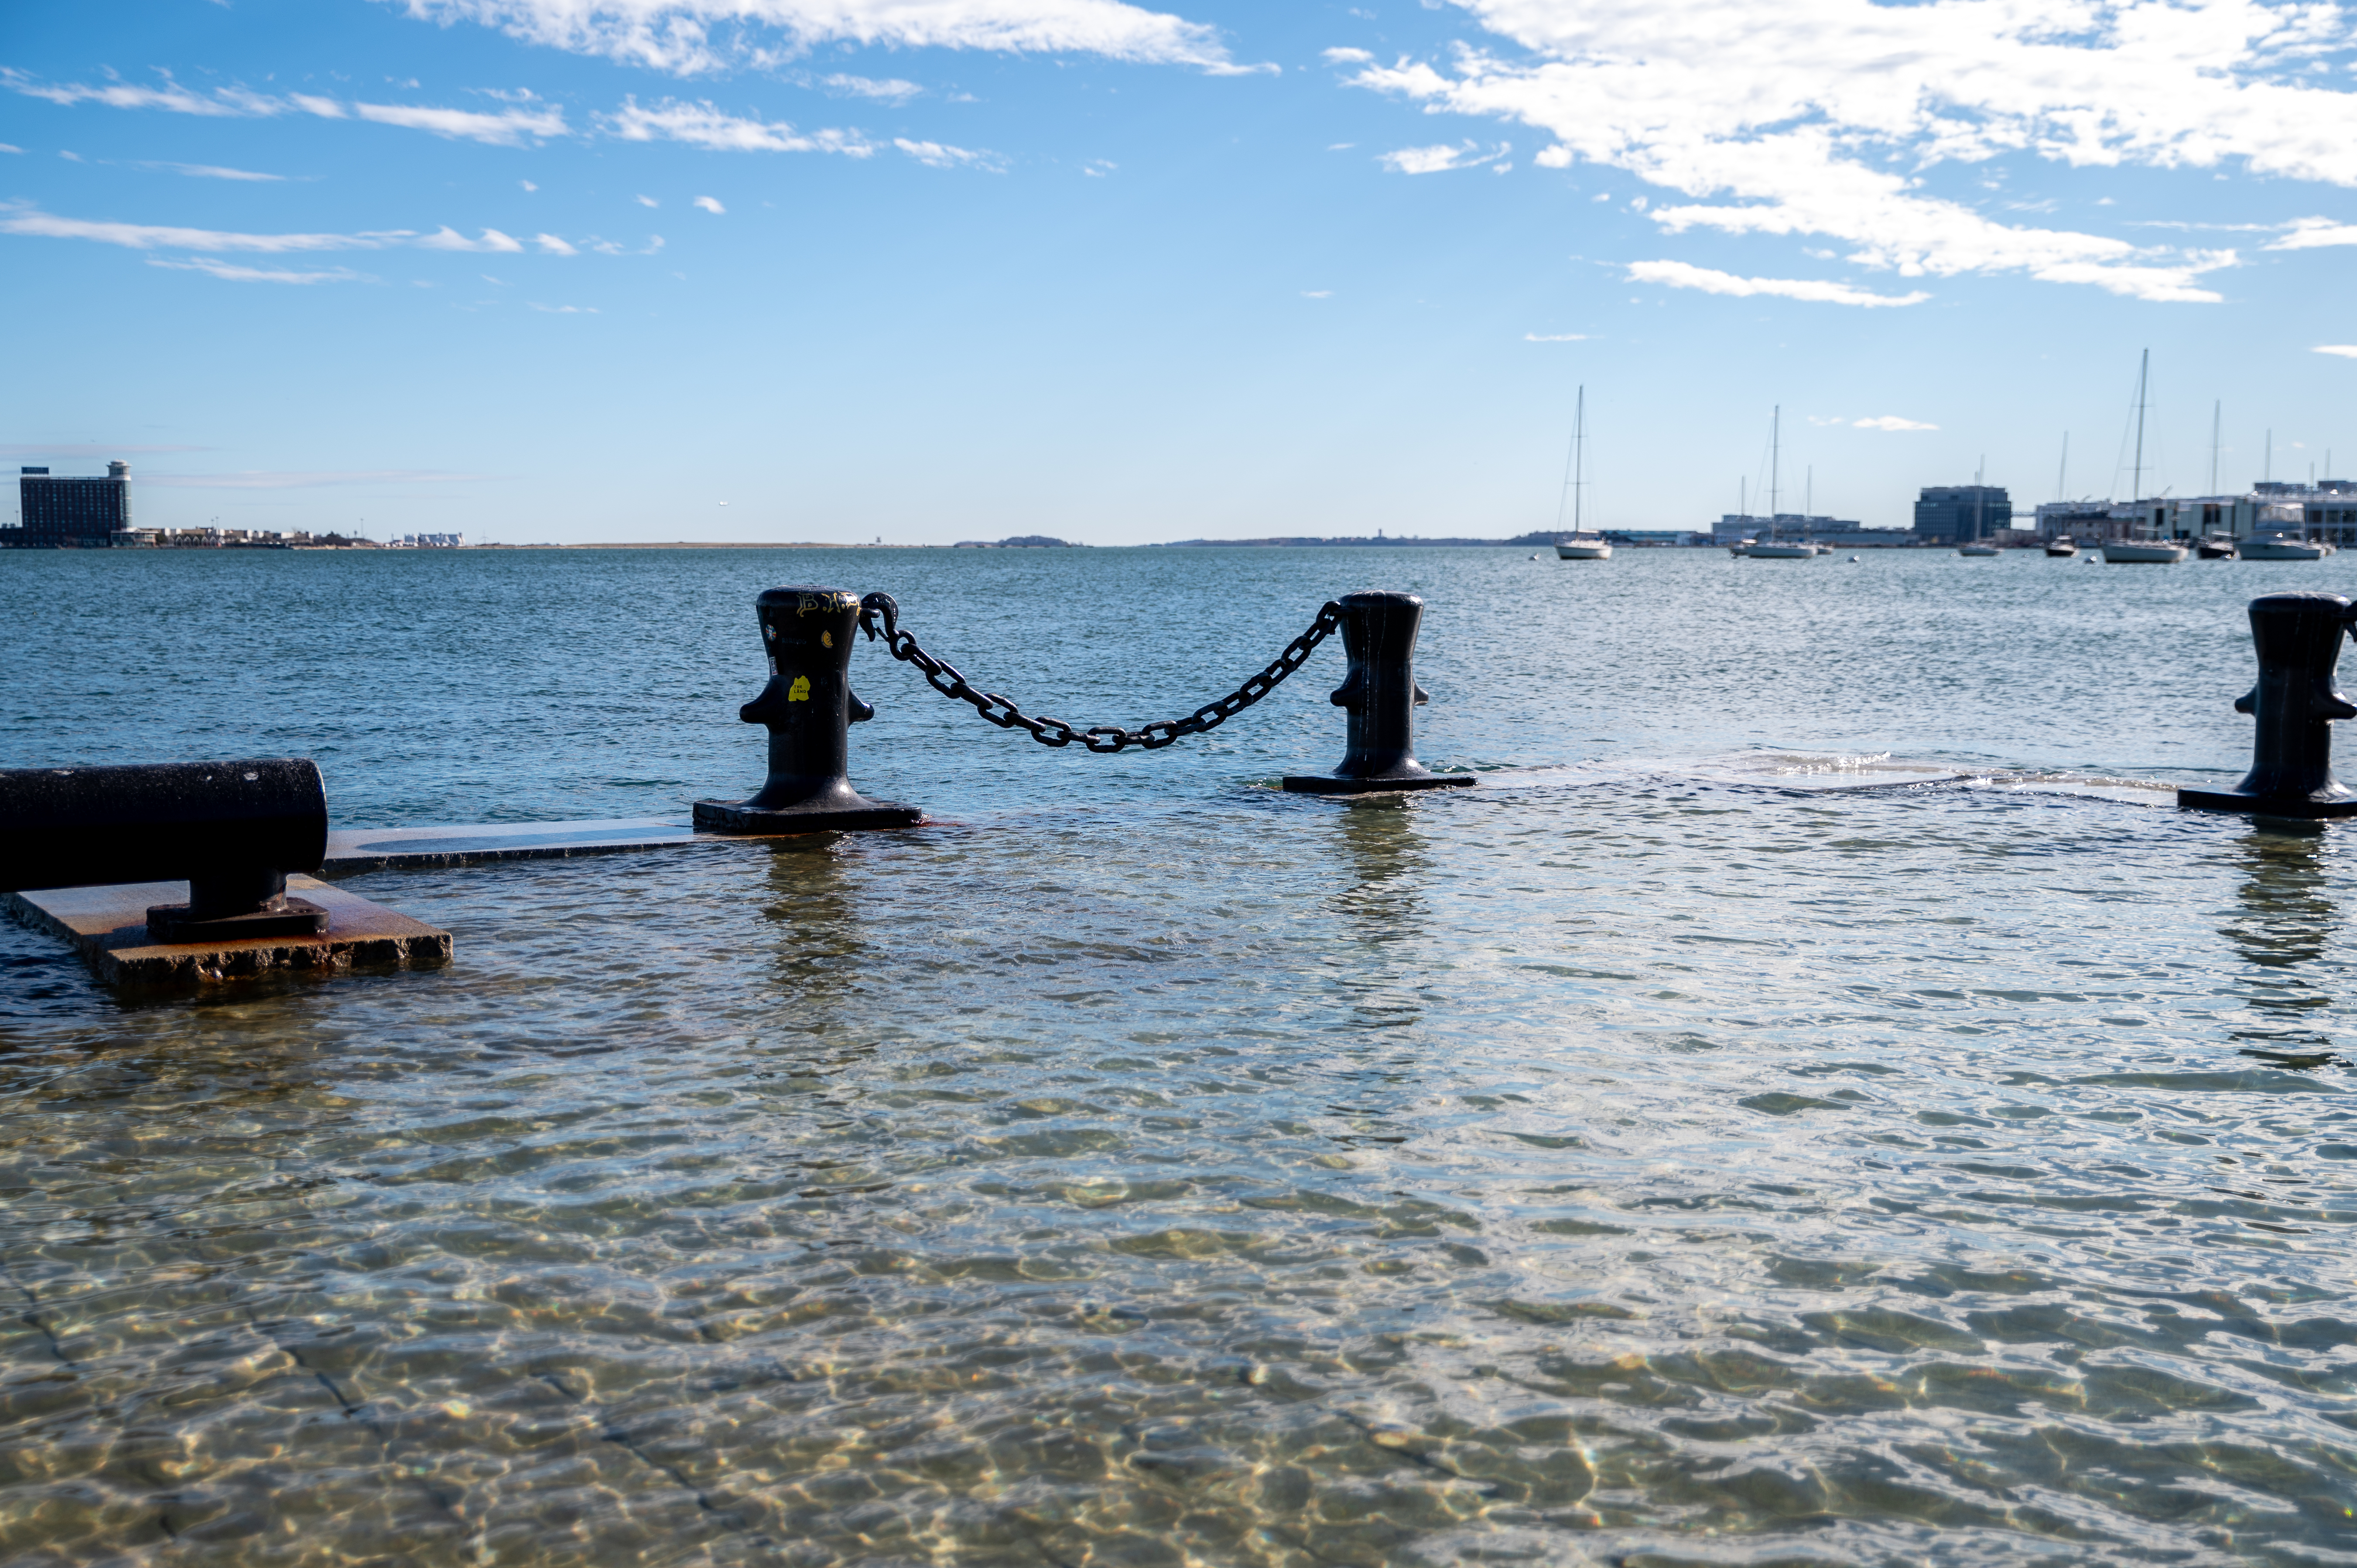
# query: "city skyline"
[[652, 268]]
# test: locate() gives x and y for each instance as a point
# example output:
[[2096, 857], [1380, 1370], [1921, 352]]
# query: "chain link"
[[1106, 739]]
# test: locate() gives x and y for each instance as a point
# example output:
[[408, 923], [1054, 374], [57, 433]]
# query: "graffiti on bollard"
[[808, 705]]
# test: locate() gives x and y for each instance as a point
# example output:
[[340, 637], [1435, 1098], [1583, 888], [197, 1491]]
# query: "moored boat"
[[2144, 552], [2061, 547], [1773, 548], [1582, 546], [1976, 549], [2274, 547], [2216, 548]]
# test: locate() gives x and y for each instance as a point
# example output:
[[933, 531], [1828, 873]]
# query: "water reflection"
[[820, 949], [2284, 919], [2287, 913], [1386, 861]]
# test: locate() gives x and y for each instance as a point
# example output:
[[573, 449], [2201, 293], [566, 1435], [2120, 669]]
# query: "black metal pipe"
[[232, 831], [808, 706], [1380, 694], [2295, 701]]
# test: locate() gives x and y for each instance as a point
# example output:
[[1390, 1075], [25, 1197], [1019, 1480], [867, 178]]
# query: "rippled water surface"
[[1812, 1103]]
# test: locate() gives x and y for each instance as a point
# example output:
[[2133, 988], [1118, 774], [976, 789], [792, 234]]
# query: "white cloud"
[[17, 218], [1099, 168], [939, 155], [2346, 351], [687, 36], [212, 171], [21, 218], [710, 204], [1887, 422], [233, 273], [566, 309], [527, 184], [2311, 233], [1349, 56], [706, 125], [648, 201], [1554, 338], [1435, 160], [891, 90], [1827, 117], [508, 128], [449, 239], [224, 102], [1679, 275], [1317, 294]]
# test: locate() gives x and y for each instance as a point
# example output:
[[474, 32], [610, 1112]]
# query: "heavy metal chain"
[[1107, 738]]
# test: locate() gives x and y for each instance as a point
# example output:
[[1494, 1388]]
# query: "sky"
[[924, 270]]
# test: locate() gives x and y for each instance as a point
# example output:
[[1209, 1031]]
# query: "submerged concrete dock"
[[108, 926]]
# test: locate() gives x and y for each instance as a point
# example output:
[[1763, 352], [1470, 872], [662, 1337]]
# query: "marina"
[[1821, 1121]]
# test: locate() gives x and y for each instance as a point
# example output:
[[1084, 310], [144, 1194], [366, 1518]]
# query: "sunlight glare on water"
[[1809, 1104]]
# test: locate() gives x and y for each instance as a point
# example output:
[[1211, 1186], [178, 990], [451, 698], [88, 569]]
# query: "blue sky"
[[932, 270]]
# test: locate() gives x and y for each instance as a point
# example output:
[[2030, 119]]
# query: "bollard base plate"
[[170, 923], [731, 816], [1327, 784], [2265, 805]]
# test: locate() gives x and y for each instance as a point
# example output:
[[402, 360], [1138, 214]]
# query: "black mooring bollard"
[[808, 705], [2298, 637], [1379, 693], [231, 830]]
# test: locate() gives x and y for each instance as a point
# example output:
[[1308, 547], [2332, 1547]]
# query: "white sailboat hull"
[[1580, 552], [1977, 550], [2283, 550], [2143, 553], [1782, 551]]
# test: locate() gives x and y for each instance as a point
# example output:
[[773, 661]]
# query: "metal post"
[[807, 706], [1379, 693], [231, 830], [2298, 637]]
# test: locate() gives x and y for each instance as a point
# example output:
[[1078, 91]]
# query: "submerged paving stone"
[[108, 926]]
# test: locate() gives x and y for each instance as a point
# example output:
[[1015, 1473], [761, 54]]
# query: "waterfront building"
[[2084, 521], [1959, 514], [1641, 538], [2324, 512], [70, 511], [1734, 528]]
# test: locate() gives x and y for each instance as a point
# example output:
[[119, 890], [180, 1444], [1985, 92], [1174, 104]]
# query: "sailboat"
[[2142, 552], [1772, 548], [1582, 546]]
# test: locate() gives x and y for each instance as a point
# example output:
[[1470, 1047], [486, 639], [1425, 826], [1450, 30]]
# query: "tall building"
[[66, 511], [1956, 514]]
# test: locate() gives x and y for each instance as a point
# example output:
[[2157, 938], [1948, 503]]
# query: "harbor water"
[[1813, 1103]]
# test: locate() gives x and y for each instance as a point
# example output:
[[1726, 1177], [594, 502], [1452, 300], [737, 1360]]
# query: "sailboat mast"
[[1980, 500], [2216, 411], [2135, 484], [1775, 456], [2062, 474], [1579, 455], [1570, 462]]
